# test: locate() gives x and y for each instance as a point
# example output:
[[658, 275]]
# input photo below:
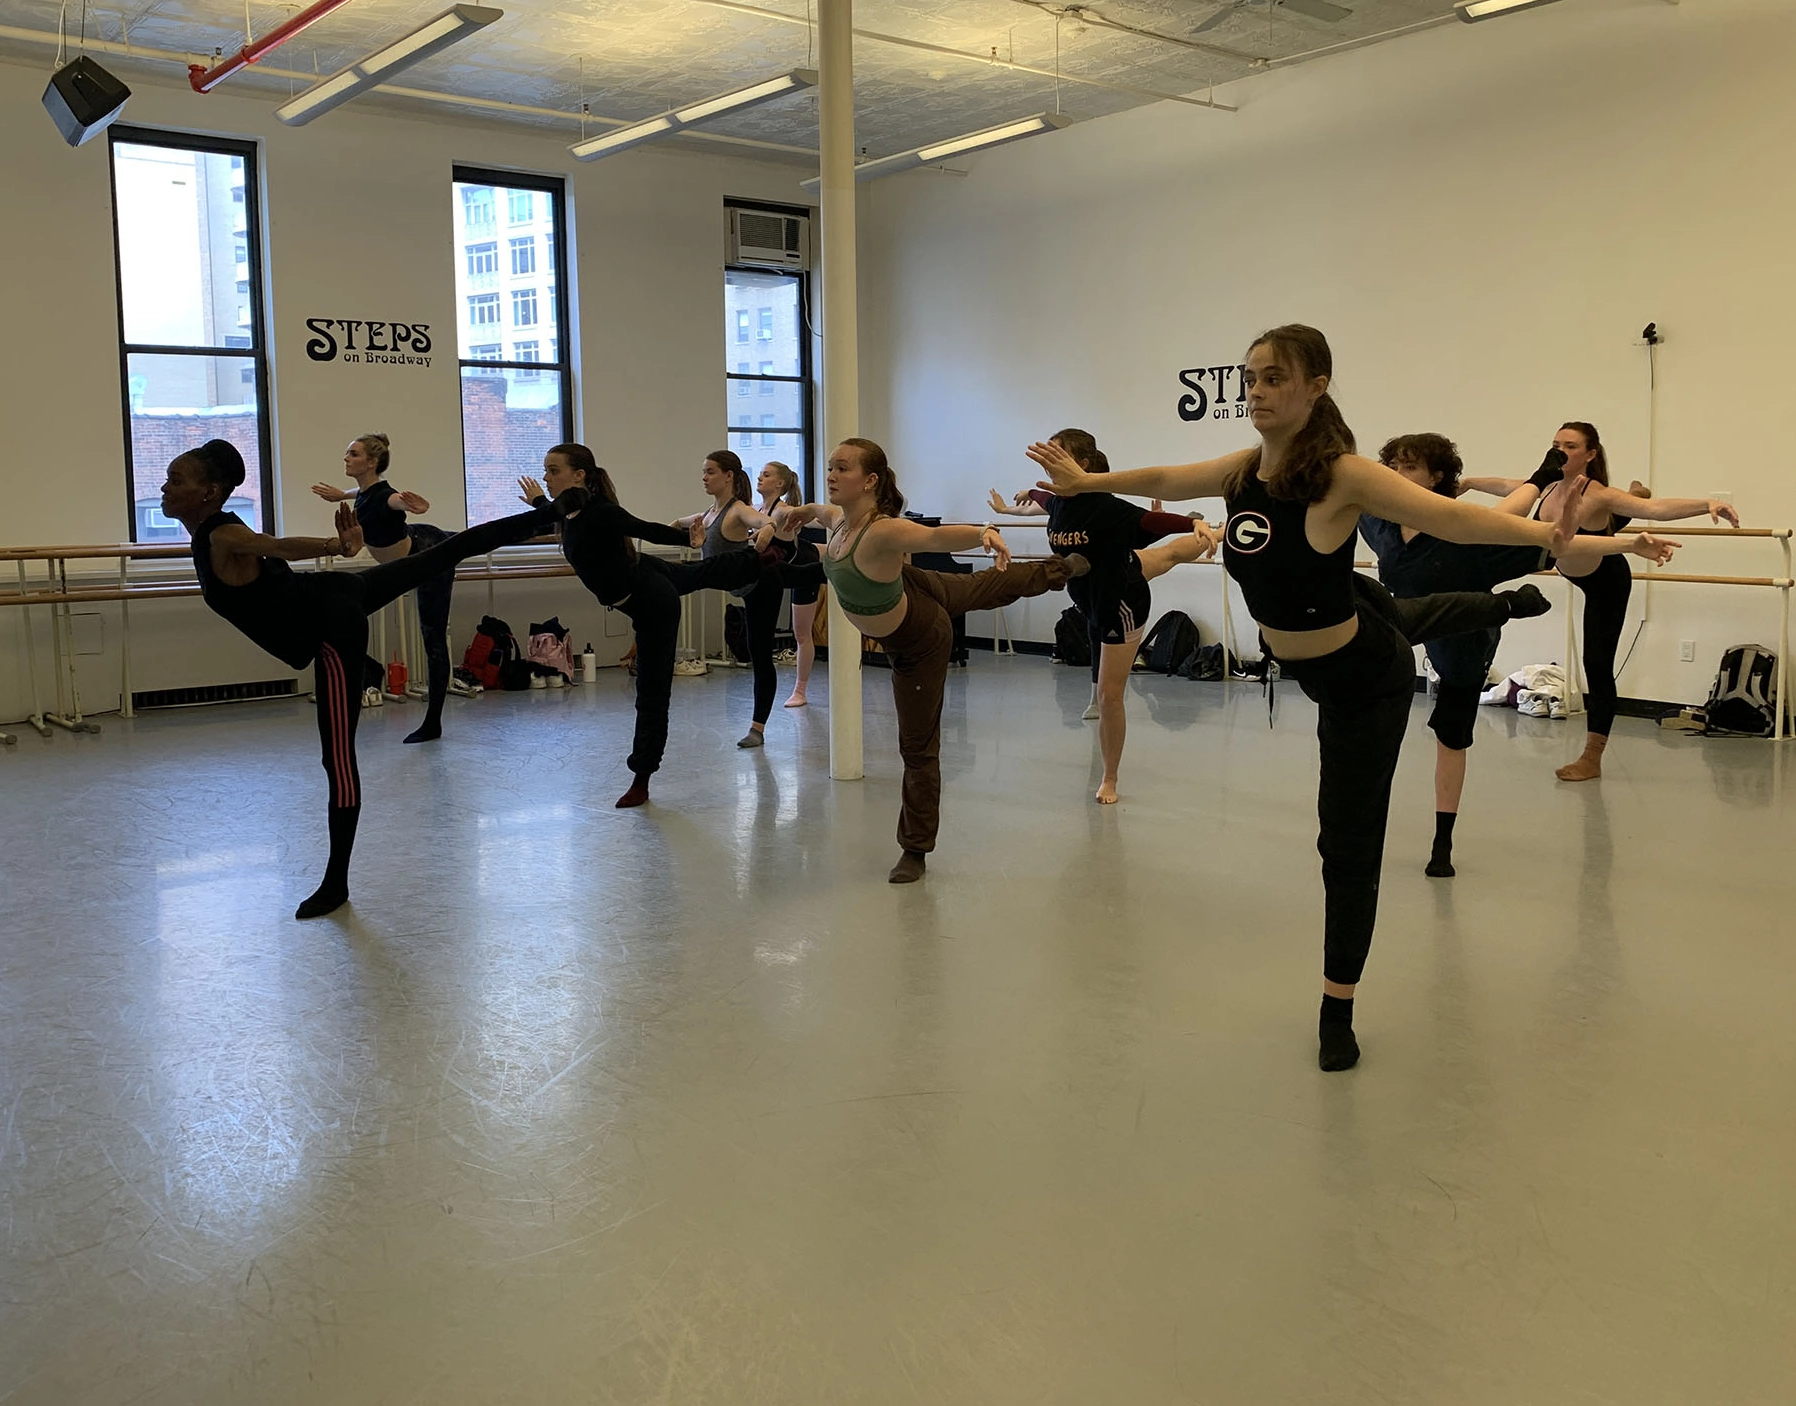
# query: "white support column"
[[841, 358]]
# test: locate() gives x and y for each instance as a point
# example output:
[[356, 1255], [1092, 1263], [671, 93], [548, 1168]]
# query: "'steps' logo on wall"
[[1211, 401], [382, 343]]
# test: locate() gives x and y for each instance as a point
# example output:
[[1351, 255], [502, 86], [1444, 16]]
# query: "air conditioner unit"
[[768, 240]]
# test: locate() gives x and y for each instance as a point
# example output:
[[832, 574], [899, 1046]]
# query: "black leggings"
[[1606, 591], [761, 607], [653, 606], [342, 601], [1363, 692], [433, 619]]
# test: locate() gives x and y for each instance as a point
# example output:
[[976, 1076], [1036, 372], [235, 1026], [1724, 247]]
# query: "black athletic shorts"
[[1116, 607]]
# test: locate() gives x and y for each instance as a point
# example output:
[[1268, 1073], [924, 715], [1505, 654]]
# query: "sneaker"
[[371, 698], [786, 656], [691, 668], [464, 690], [1556, 709]]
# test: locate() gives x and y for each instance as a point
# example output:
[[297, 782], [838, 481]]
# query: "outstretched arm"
[[1496, 487], [1614, 501], [1027, 504], [1200, 480], [894, 537], [236, 539]]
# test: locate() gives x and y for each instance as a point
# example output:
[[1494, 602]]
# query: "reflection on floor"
[[689, 1105]]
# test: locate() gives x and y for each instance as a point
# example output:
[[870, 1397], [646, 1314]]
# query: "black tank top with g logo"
[[1289, 585]]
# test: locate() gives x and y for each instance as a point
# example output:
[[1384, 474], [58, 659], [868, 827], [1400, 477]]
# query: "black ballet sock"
[[637, 795], [430, 729], [333, 893], [1339, 1050], [1440, 863], [1525, 602]]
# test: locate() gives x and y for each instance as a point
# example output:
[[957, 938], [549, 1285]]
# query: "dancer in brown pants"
[[911, 612]]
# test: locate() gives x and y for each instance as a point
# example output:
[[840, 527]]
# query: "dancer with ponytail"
[[1294, 502], [381, 510], [1115, 537], [320, 618], [598, 539], [911, 612], [804, 580], [1577, 457], [726, 526]]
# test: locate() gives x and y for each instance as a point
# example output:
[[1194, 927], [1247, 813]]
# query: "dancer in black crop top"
[[1577, 456], [318, 618], [380, 509], [598, 539], [1114, 536], [1294, 501]]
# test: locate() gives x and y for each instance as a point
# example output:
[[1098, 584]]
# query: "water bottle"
[[589, 665]]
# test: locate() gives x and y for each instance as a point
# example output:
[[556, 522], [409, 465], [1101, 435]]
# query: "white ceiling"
[[635, 58]]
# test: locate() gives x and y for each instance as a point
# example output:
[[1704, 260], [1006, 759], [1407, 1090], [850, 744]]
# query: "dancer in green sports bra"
[[911, 612]]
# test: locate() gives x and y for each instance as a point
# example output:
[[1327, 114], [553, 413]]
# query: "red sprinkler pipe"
[[204, 80]]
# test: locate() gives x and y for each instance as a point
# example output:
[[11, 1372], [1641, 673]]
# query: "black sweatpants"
[[1363, 693], [653, 606]]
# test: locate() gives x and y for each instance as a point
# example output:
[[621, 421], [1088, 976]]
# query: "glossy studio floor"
[[689, 1105]]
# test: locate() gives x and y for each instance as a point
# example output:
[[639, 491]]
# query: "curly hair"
[[1433, 452]]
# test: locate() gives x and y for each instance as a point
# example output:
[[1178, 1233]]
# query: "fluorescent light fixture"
[[954, 146], [737, 100], [455, 23], [1471, 11]]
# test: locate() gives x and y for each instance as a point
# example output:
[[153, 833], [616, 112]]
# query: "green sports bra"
[[858, 595]]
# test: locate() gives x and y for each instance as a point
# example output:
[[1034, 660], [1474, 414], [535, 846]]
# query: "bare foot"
[[1107, 792], [1584, 769]]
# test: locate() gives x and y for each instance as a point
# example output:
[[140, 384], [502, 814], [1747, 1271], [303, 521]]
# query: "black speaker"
[[82, 100]]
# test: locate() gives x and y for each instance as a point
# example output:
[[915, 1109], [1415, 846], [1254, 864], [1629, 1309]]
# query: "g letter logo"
[[1248, 532]]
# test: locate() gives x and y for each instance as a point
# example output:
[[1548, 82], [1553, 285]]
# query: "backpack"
[[1743, 701], [493, 646], [549, 647], [1072, 641], [1208, 663], [1171, 642]]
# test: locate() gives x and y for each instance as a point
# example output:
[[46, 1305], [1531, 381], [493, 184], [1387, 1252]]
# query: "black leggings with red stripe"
[[342, 601]]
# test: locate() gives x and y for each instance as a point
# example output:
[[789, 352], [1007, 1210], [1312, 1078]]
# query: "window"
[[477, 207], [483, 258], [192, 355], [773, 305], [483, 310], [516, 402]]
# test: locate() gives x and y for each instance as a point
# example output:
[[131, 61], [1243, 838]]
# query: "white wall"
[[1482, 218], [357, 210]]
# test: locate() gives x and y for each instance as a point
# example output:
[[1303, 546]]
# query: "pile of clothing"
[[1535, 689]]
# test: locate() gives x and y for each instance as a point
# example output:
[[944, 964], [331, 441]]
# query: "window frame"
[[805, 380], [556, 189], [123, 134]]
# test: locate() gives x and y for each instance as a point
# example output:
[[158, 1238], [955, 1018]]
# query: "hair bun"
[[223, 463]]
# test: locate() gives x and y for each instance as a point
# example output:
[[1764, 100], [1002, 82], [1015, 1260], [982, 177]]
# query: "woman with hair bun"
[[380, 509], [320, 618], [598, 538], [910, 612], [1294, 502]]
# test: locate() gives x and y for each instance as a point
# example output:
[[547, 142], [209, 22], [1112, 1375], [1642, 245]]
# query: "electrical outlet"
[[1687, 651]]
